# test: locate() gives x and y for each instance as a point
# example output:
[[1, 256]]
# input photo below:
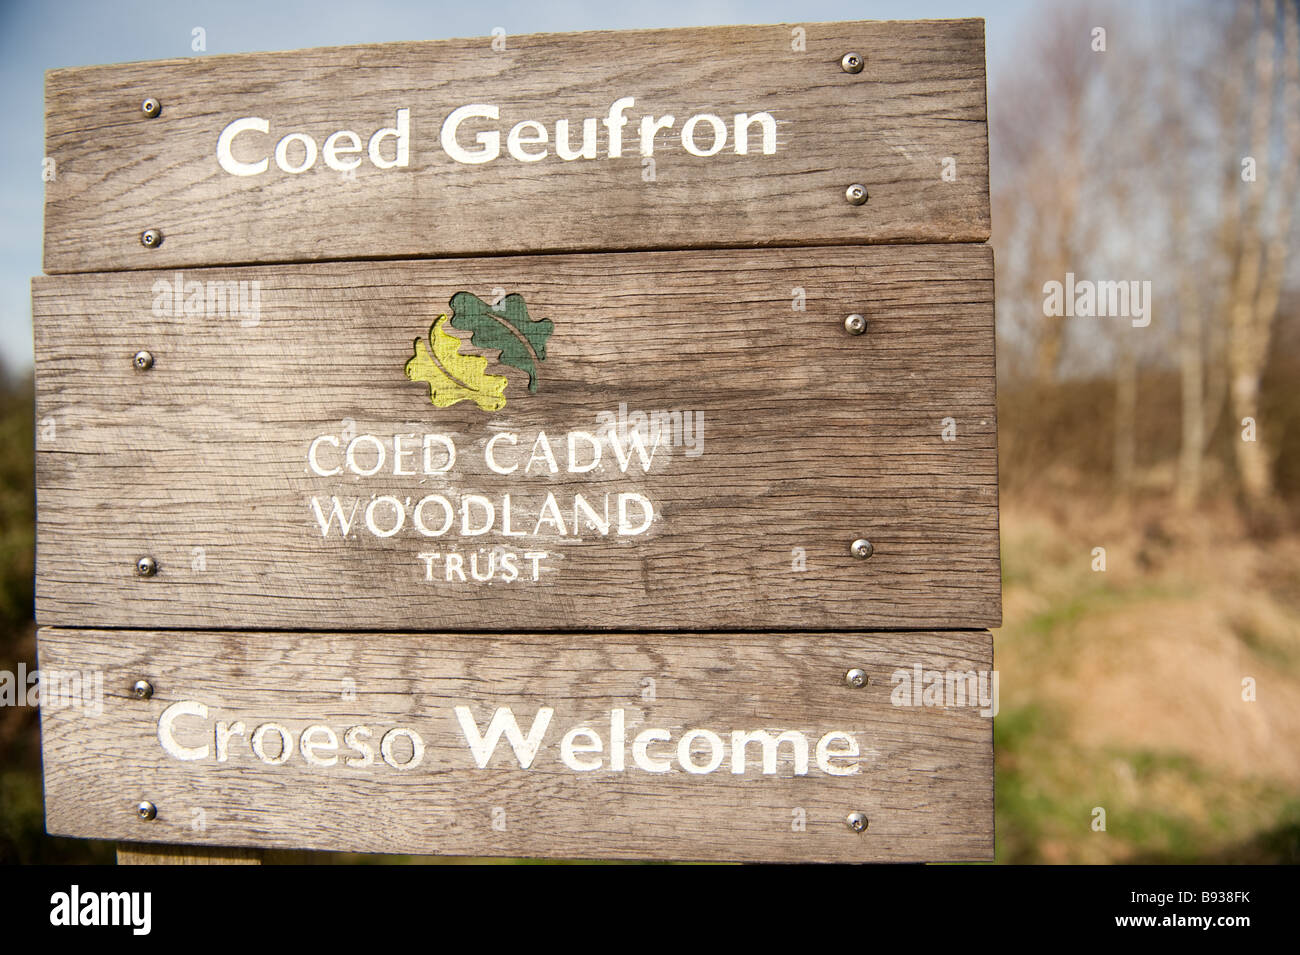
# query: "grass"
[[1062, 756]]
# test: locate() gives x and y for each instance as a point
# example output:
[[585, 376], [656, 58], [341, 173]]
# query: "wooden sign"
[[694, 445], [721, 137], [363, 524], [718, 746]]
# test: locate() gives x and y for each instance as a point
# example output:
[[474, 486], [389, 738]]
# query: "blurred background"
[[1150, 652]]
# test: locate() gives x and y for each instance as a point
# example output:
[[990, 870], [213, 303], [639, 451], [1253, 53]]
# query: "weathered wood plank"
[[808, 438], [918, 102], [922, 780]]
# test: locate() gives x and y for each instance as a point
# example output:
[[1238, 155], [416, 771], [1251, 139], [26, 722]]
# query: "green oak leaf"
[[507, 328]]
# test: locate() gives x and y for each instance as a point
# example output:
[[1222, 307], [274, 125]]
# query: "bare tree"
[[1039, 139], [1216, 74], [1259, 246]]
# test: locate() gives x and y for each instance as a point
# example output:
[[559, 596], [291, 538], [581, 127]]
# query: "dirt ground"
[[1163, 690]]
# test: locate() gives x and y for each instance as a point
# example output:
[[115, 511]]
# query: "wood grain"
[[923, 781], [136, 854], [919, 101], [810, 438]]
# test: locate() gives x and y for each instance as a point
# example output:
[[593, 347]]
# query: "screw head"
[[856, 678], [143, 360], [146, 810], [146, 567], [142, 689], [857, 821], [851, 63], [861, 548], [151, 107], [855, 324], [856, 194], [152, 238]]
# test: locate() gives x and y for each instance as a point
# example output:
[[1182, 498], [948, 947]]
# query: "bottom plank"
[[747, 747]]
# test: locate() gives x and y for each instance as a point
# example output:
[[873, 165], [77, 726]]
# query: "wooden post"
[[141, 854]]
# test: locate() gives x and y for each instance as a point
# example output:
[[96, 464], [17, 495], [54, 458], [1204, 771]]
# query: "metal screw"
[[151, 107], [861, 548], [146, 567], [855, 324], [142, 689], [152, 238], [851, 63], [856, 194], [143, 360], [146, 810], [857, 821], [856, 678]]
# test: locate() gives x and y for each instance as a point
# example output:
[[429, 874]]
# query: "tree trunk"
[[1125, 422], [1191, 453], [1249, 324]]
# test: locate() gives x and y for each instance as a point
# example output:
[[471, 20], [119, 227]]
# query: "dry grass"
[[1123, 689]]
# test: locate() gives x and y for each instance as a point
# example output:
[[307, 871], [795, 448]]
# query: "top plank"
[[558, 142]]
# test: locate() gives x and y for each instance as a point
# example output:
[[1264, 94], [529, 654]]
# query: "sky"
[[38, 35]]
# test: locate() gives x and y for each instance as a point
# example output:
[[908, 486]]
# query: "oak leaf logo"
[[508, 329], [454, 377]]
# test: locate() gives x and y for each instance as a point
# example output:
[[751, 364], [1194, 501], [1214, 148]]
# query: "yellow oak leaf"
[[451, 376]]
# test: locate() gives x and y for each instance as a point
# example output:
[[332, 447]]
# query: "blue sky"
[[37, 35]]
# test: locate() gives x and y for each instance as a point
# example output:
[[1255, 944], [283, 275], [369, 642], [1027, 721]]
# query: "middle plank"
[[630, 441]]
